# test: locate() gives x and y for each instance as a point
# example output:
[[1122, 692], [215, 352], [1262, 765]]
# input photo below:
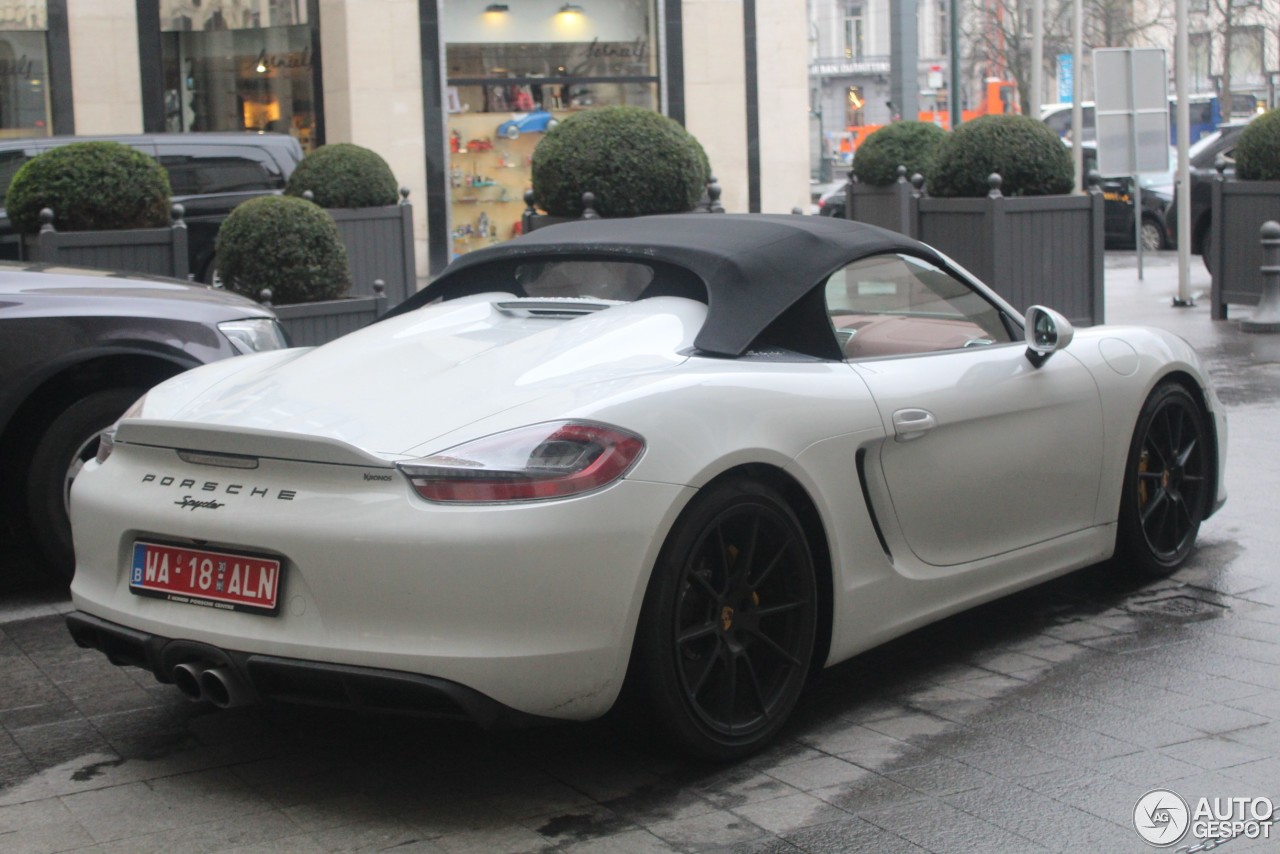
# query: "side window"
[[893, 305], [10, 163], [200, 169]]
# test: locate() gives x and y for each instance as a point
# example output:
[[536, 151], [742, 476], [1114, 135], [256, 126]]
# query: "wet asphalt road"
[[1031, 724]]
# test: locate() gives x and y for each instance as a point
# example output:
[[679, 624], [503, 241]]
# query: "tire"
[[726, 632], [1166, 483], [511, 131], [70, 440], [209, 275], [551, 123], [1152, 236]]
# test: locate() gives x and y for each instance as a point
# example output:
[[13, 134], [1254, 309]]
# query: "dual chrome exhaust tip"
[[221, 686]]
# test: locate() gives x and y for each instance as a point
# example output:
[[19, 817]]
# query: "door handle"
[[911, 424]]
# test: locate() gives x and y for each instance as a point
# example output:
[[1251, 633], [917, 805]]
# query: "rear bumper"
[[287, 680], [534, 606]]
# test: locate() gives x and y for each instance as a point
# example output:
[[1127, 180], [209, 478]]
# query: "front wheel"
[[1152, 235], [1166, 482], [70, 441], [726, 633]]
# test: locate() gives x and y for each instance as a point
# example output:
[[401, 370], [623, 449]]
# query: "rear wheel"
[[70, 441], [726, 634], [1166, 482]]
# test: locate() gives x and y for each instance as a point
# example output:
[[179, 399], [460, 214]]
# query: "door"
[[1117, 195], [984, 453]]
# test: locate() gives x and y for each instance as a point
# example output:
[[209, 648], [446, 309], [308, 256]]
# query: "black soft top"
[[760, 275]]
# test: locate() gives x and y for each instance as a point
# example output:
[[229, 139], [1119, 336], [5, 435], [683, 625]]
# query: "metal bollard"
[[1267, 316]]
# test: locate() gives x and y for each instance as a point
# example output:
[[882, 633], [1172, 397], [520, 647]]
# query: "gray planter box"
[[534, 221], [531, 220], [379, 244], [1235, 249], [155, 251], [1045, 250], [314, 323], [888, 207]]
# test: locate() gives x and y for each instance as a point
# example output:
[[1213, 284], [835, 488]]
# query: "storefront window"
[[514, 70], [238, 65], [24, 70]]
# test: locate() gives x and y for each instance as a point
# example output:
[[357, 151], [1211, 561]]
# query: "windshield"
[[1203, 142]]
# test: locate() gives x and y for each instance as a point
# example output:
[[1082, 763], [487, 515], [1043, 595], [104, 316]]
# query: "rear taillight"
[[552, 460], [107, 438]]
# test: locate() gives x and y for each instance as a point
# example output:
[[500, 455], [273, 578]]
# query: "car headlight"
[[552, 460], [254, 334], [107, 438]]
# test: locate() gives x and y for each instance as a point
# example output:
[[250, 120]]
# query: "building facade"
[[849, 48], [434, 86]]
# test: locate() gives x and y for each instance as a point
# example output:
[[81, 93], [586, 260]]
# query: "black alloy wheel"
[[1166, 489], [727, 630]]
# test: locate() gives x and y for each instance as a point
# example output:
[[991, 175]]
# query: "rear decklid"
[[378, 393]]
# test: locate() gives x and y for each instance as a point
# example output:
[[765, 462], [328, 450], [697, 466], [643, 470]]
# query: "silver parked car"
[[77, 348]]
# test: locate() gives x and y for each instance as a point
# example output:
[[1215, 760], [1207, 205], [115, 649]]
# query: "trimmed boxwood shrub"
[[909, 144], [287, 244], [344, 175], [634, 160], [1258, 149], [1030, 159], [90, 186]]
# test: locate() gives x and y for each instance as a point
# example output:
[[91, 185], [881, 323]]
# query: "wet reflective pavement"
[[1031, 724]]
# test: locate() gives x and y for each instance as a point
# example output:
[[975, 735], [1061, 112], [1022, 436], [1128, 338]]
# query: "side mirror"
[[1047, 333]]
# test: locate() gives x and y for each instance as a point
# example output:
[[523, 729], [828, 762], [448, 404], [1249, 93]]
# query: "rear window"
[[614, 280], [10, 163]]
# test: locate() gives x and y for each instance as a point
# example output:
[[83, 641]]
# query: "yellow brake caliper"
[[1143, 462]]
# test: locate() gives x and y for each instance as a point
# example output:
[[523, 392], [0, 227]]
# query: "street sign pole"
[[1037, 56], [1077, 91], [1181, 52], [1133, 159], [954, 97]]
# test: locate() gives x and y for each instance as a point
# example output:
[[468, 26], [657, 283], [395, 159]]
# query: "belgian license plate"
[[222, 580]]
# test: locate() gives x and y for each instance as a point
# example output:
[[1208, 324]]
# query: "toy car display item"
[[537, 121], [704, 456]]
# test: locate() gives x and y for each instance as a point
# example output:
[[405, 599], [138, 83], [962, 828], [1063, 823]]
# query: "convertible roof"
[[761, 273]]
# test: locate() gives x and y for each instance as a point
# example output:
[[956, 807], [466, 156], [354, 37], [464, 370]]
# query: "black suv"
[[209, 173]]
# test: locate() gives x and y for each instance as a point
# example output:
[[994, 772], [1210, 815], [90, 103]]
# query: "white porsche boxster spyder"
[[702, 456]]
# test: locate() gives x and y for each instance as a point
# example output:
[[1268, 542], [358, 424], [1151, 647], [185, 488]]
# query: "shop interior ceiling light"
[[571, 9], [496, 8]]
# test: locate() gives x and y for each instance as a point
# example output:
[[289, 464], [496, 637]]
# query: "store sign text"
[[302, 59], [20, 66], [624, 53]]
